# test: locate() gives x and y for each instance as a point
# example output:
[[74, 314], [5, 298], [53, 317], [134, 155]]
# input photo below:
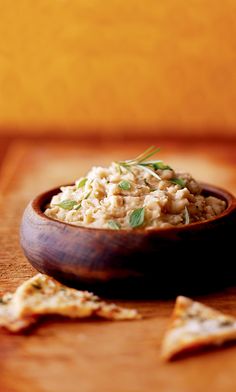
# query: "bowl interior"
[[40, 203]]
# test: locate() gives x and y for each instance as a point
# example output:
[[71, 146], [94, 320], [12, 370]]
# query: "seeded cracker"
[[42, 295], [8, 319], [195, 326]]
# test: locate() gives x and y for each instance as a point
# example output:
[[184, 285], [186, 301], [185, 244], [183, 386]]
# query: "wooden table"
[[94, 356]]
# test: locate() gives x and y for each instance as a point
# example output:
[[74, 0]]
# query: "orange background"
[[117, 67]]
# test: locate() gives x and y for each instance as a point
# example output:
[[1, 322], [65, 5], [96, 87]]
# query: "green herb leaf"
[[88, 194], [67, 204], [136, 218], [114, 225], [82, 183], [77, 207], [178, 181], [186, 216], [159, 165], [125, 185]]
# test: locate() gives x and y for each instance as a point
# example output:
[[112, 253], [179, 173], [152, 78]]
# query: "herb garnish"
[[125, 185], [139, 161], [186, 216], [136, 218], [178, 181], [82, 183], [88, 194], [114, 225], [78, 207], [67, 204], [72, 204], [159, 165]]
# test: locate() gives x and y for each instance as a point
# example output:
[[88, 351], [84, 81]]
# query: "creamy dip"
[[134, 194]]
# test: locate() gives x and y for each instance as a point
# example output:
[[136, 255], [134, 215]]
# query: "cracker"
[[7, 318], [42, 295], [195, 326]]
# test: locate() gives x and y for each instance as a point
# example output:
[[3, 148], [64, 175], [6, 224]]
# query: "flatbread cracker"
[[42, 295], [195, 326], [7, 318]]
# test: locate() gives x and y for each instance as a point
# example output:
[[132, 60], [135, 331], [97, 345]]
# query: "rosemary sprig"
[[149, 170], [147, 154], [141, 162]]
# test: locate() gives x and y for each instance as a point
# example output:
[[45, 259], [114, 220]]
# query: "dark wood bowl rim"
[[39, 202]]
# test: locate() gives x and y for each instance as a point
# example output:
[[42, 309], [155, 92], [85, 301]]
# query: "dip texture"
[[136, 193]]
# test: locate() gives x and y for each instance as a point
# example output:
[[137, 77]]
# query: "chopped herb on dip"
[[125, 185], [137, 218], [114, 225], [134, 193], [67, 204], [178, 181], [82, 182]]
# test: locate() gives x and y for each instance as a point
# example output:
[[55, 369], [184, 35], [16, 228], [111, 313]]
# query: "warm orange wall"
[[112, 65]]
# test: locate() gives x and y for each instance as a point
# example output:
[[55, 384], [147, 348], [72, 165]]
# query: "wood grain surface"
[[118, 67], [94, 356]]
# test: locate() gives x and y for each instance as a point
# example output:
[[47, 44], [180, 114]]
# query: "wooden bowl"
[[166, 261]]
